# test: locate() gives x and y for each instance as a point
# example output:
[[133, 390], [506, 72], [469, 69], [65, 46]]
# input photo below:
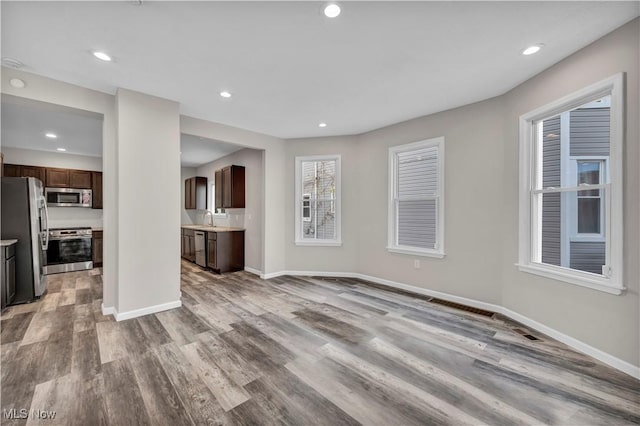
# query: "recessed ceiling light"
[[225, 94], [51, 135], [17, 83], [102, 56], [532, 49], [332, 10], [61, 149], [322, 125]]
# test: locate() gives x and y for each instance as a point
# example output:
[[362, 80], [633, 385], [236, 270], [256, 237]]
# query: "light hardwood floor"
[[290, 350]]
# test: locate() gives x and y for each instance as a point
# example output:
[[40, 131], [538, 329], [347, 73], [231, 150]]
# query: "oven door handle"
[[71, 237]]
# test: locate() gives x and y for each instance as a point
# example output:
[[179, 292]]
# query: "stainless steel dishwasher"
[[201, 253]]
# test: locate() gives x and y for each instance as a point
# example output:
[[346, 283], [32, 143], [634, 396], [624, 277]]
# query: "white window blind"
[[416, 197]]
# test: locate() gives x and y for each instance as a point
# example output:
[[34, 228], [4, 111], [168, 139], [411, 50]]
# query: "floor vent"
[[462, 307], [530, 337]]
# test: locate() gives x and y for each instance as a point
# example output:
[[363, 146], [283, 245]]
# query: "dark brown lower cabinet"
[[225, 251], [189, 245], [97, 248], [8, 283]]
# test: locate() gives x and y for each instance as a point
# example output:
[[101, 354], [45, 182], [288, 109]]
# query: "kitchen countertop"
[[211, 228], [4, 243], [96, 228]]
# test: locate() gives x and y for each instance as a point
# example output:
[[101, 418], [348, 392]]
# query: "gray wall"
[[607, 322]]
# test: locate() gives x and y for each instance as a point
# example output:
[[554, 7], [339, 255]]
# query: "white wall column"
[[148, 151]]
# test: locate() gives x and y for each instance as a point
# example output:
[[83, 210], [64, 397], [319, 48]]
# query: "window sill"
[[327, 243], [425, 253], [583, 279]]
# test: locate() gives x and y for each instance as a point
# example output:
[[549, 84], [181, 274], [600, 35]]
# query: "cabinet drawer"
[[188, 232], [212, 236]]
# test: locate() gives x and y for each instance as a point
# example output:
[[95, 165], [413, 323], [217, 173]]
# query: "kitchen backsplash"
[[63, 217], [235, 218]]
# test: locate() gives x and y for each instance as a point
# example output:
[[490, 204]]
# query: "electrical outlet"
[[416, 263]]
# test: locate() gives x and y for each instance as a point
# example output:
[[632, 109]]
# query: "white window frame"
[[612, 279], [392, 232], [299, 240], [212, 197]]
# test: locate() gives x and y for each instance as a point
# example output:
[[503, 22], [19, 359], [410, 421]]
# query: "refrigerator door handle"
[[46, 230]]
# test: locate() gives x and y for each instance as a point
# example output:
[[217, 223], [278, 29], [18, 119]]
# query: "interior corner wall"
[[149, 185], [472, 211], [249, 218], [608, 322], [325, 259], [44, 89]]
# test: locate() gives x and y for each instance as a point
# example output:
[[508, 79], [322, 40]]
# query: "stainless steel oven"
[[69, 250], [68, 197]]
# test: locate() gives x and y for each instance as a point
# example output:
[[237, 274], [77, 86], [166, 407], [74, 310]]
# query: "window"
[[318, 201], [571, 188], [219, 212], [589, 205], [416, 198]]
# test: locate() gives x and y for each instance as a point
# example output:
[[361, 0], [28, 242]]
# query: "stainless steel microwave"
[[68, 197]]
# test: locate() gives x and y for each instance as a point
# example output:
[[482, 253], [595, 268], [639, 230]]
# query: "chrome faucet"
[[204, 217]]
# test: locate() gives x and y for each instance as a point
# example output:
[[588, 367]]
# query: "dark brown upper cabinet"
[[17, 170], [230, 187], [57, 178], [34, 171], [195, 193], [218, 188], [96, 188], [12, 170], [80, 179]]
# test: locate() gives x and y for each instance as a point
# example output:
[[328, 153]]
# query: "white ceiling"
[[196, 151], [290, 68], [25, 122]]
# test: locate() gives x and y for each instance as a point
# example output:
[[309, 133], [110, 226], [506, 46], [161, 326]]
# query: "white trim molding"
[[576, 344], [530, 186], [121, 316]]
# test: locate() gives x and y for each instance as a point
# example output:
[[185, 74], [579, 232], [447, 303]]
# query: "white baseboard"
[[121, 316], [253, 271], [576, 344], [108, 310]]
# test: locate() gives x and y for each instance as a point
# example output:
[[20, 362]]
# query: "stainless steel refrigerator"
[[25, 218]]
